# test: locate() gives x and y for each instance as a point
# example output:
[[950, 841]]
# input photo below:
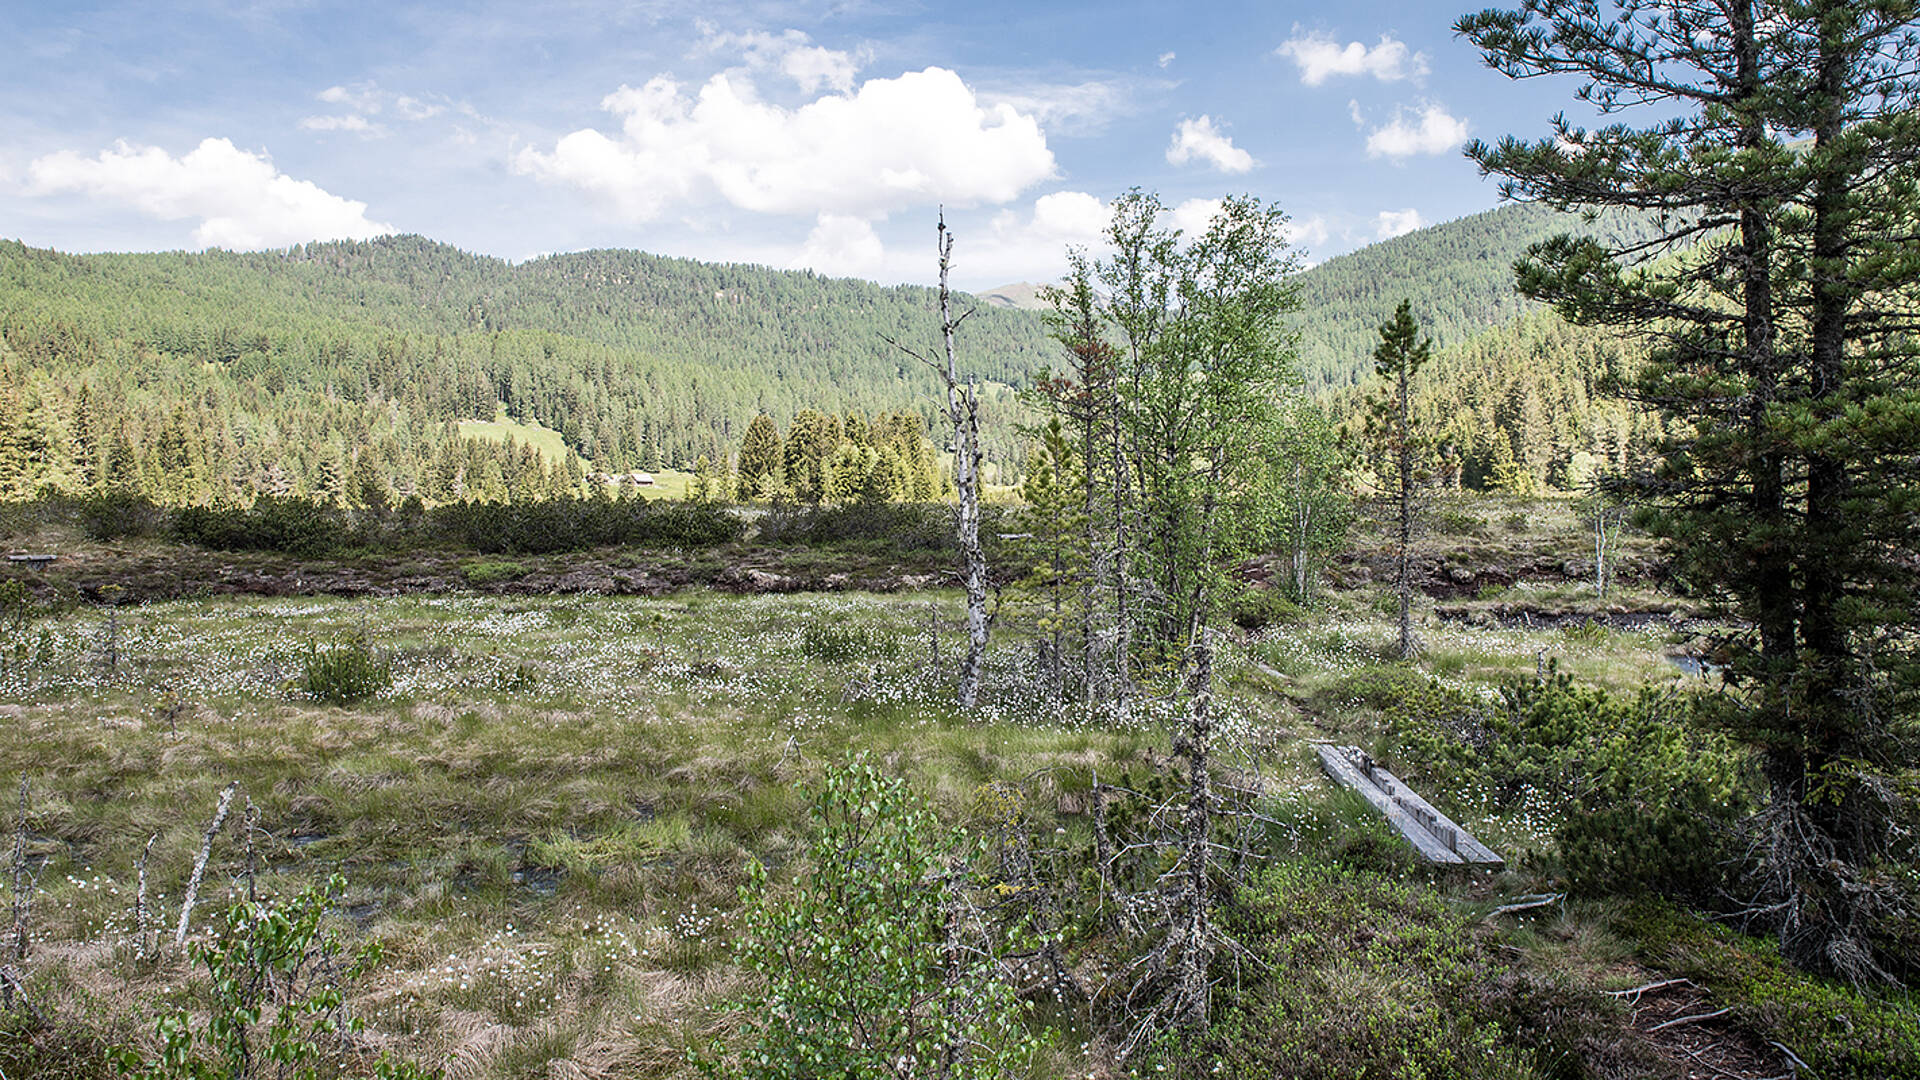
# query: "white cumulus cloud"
[[1310, 232], [1321, 57], [1430, 130], [793, 54], [893, 143], [240, 199], [1391, 223], [1164, 59], [1200, 140], [841, 245]]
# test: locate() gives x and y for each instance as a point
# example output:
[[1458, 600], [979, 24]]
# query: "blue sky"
[[796, 134]]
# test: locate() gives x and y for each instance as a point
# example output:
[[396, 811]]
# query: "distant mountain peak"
[[1024, 295]]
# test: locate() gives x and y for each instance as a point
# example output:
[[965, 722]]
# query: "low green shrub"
[[286, 524], [895, 526], [1459, 523], [483, 572], [556, 525], [841, 642], [1589, 633], [1840, 1032], [121, 515], [1645, 796], [1257, 607], [344, 674], [1359, 977]]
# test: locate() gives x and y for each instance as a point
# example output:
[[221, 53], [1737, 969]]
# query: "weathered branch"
[[200, 864]]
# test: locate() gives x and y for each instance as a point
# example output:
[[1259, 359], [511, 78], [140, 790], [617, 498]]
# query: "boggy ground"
[[545, 816]]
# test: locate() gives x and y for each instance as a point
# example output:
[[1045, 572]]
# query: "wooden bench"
[[1432, 834]]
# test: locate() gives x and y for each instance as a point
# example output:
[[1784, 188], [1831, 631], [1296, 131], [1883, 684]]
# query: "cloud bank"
[[240, 199], [893, 143]]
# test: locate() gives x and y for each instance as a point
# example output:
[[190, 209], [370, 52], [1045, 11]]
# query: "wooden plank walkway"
[[1436, 838]]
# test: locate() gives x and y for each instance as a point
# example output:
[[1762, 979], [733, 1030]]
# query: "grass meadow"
[[543, 808]]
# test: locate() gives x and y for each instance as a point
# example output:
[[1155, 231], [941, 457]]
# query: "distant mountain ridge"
[[1024, 295]]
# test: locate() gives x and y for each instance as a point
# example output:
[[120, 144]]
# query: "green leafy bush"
[[864, 969], [120, 515], [275, 981], [345, 673], [1258, 608], [483, 572]]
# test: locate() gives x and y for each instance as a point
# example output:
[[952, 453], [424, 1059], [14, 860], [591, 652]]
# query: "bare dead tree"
[[23, 883], [1607, 519], [145, 944], [1196, 901], [963, 412], [200, 864], [249, 824]]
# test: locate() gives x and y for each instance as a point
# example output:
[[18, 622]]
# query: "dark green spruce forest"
[[192, 377]]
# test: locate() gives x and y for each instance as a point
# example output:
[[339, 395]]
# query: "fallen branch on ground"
[[1691, 1019], [1649, 988]]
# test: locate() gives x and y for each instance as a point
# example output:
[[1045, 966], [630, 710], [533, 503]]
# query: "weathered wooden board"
[[1431, 833]]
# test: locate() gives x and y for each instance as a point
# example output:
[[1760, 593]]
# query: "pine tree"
[[83, 440], [1051, 517], [1405, 450], [1783, 365], [120, 468], [760, 456]]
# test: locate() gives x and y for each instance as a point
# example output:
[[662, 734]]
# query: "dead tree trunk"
[[22, 882], [1196, 948], [200, 864], [145, 944], [963, 409]]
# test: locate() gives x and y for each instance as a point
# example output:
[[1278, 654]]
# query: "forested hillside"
[[1525, 407], [1458, 275], [276, 369], [191, 375]]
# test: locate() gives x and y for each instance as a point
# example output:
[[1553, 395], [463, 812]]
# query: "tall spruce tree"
[[760, 456], [1404, 451], [1778, 308]]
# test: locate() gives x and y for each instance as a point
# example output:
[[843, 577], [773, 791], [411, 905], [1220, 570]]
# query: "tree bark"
[[963, 408], [1409, 646]]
